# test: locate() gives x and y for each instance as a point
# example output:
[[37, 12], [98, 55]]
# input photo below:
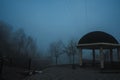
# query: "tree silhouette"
[[71, 51], [16, 45], [31, 49], [5, 33], [5, 44], [56, 49]]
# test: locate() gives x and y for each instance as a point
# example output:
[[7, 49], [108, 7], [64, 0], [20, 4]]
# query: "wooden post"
[[101, 58], [111, 56], [93, 52], [80, 57]]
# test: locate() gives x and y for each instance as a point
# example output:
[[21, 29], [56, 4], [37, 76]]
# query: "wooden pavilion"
[[101, 41]]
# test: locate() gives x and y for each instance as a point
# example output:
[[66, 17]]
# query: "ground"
[[62, 73], [12, 73], [67, 73]]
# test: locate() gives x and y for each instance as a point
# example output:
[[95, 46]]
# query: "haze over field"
[[51, 20]]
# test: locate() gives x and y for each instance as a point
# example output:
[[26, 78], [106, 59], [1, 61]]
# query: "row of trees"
[[17, 48], [58, 48]]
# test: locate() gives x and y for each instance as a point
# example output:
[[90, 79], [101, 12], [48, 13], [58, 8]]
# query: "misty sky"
[[51, 20]]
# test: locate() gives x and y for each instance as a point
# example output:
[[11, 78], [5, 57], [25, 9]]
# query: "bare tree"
[[16, 46], [5, 44], [56, 49], [31, 50], [67, 51], [71, 50], [19, 41], [5, 33], [24, 46]]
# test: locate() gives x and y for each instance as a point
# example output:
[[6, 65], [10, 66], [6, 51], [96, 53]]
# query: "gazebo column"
[[80, 51], [111, 55], [93, 52], [118, 54], [101, 58]]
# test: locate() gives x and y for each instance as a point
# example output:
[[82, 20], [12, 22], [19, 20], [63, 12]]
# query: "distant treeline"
[[17, 48], [20, 50]]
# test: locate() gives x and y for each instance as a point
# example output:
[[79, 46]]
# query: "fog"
[[51, 20]]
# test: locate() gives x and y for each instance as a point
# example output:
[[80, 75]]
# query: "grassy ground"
[[67, 73], [61, 72]]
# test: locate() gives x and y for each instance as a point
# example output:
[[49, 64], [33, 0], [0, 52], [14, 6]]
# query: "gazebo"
[[101, 41]]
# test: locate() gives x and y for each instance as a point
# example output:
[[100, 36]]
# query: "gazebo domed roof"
[[97, 37]]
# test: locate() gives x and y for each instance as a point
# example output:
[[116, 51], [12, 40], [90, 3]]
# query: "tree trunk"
[[73, 58], [56, 60], [29, 64], [70, 61], [73, 65]]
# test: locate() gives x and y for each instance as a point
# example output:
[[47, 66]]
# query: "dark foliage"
[[18, 50]]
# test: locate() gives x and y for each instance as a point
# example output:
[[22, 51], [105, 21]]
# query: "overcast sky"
[[51, 20]]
